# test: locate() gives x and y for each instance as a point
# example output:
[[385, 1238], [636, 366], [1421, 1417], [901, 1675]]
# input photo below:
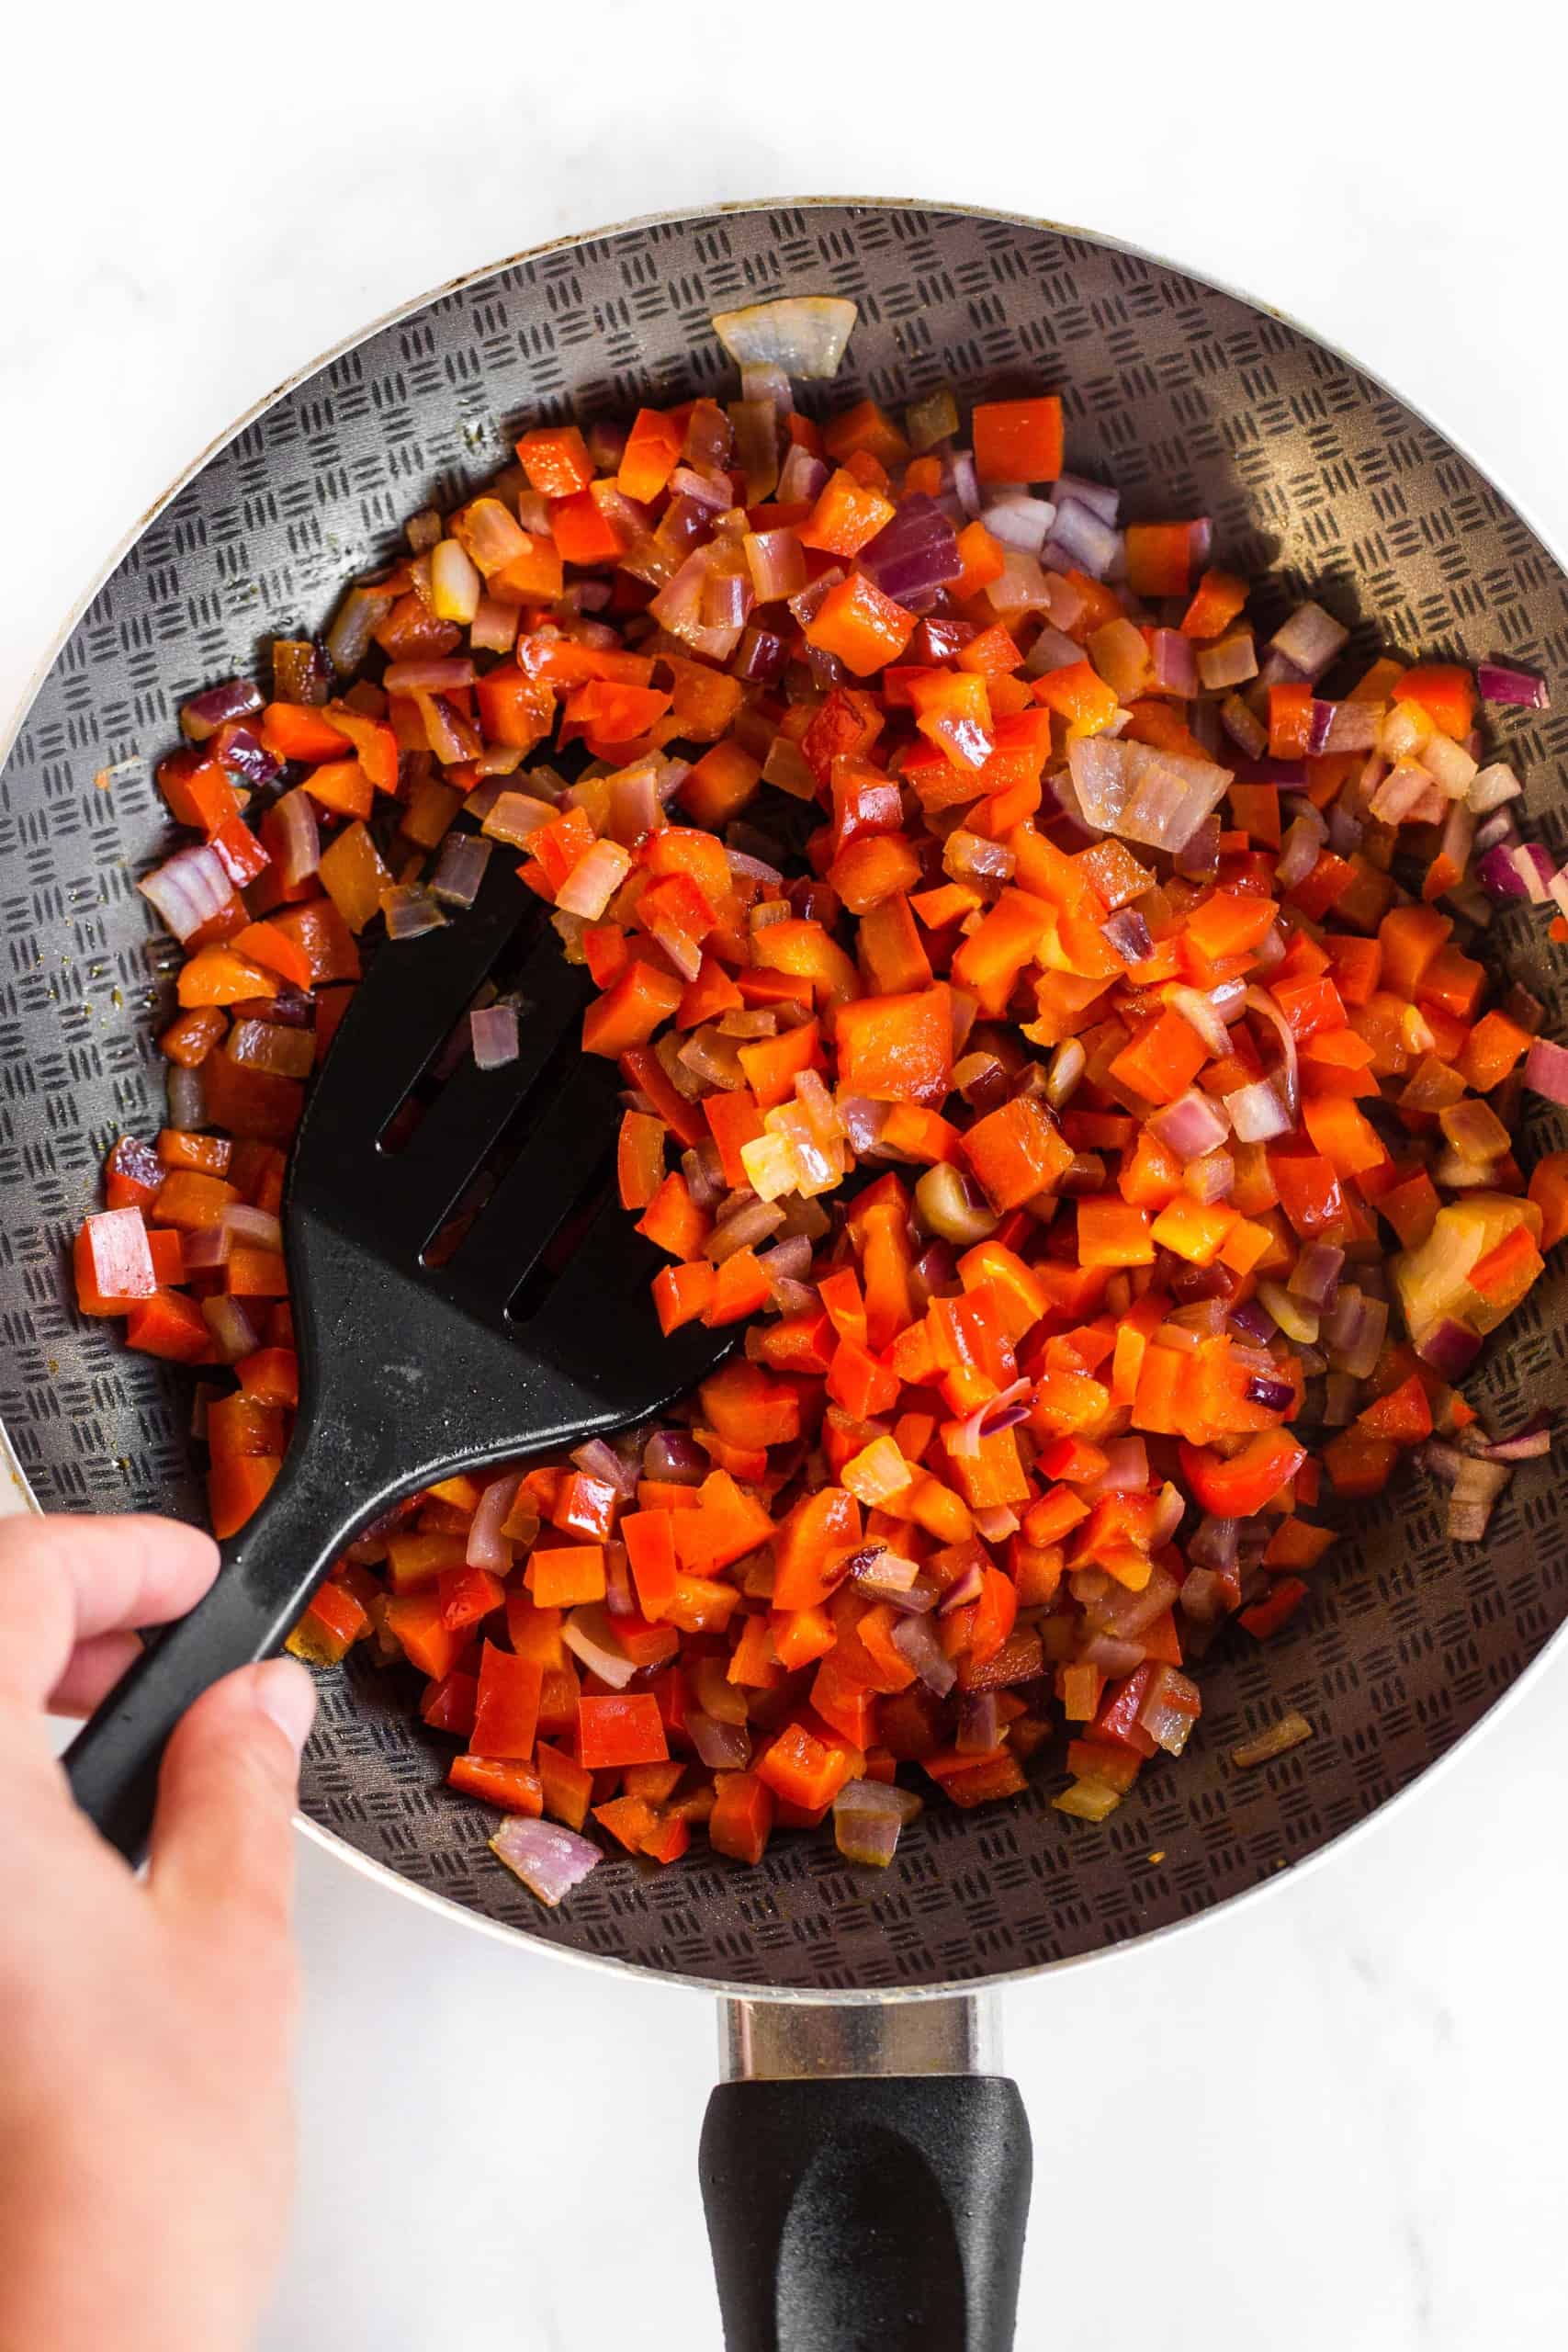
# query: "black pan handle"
[[267, 1574], [866, 2213]]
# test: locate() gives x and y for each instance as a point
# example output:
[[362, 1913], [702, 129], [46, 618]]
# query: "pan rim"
[[329, 1840]]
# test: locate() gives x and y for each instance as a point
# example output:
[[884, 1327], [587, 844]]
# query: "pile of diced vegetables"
[[922, 824]]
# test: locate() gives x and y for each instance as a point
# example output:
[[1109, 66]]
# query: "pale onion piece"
[[548, 1860], [1297, 1320], [805, 335], [460, 869], [188, 889], [1257, 1111], [1290, 1730], [487, 1546], [493, 1028], [583, 1634], [594, 880], [770, 1164], [999, 1412], [514, 815], [455, 583]]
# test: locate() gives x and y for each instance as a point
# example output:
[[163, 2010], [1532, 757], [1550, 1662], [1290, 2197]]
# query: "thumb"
[[222, 1850]]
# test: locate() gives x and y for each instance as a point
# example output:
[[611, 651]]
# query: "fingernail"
[[286, 1692]]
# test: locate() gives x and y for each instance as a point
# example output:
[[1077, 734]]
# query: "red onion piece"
[[493, 1031], [249, 1228], [723, 1748], [965, 1588], [1212, 1543], [1546, 1070], [1191, 1125], [1287, 1076], [1309, 641], [1522, 688], [1126, 1468], [596, 1459], [1200, 1014], [587, 1633], [297, 820], [915, 1638], [1315, 1275], [488, 1548], [233, 1333], [1175, 663], [1449, 1347], [996, 1413], [188, 889], [1257, 1113], [548, 1860], [206, 713], [674, 1458], [1528, 1445], [1082, 540], [1127, 934], [460, 869], [411, 911]]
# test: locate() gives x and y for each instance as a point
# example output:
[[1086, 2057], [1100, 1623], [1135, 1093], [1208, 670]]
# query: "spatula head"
[[460, 1257]]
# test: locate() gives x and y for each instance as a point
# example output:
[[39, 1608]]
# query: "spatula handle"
[[268, 1573]]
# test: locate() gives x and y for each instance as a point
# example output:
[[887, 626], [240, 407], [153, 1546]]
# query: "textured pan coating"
[[1193, 402]]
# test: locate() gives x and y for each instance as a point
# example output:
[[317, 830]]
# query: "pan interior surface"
[[1192, 402]]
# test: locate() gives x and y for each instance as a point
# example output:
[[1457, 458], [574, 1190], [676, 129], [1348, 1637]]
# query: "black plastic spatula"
[[409, 1372]]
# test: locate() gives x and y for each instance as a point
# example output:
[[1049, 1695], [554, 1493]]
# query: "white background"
[[1334, 2115]]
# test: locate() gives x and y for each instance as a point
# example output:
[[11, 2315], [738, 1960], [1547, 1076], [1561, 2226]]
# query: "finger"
[[65, 1581], [91, 1672], [222, 1850]]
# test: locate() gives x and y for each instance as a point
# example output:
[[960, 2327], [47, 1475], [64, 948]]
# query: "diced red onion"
[[1309, 640], [587, 1634], [1127, 933], [1212, 1543], [233, 1334], [1082, 540], [1522, 688], [460, 869], [1354, 1330], [1175, 664], [1528, 1445], [250, 1228], [594, 880], [493, 1031], [979, 1723], [297, 820], [673, 1458], [1449, 1347], [914, 554], [548, 1860], [1546, 1070], [1300, 850], [206, 713], [1191, 1125], [998, 1413], [1126, 1468], [723, 1748], [1200, 1014], [1020, 521], [488, 1548], [1490, 786], [244, 756], [357, 619], [411, 911], [188, 889], [1097, 496], [915, 1638], [965, 1586], [1315, 1275], [1257, 1113]]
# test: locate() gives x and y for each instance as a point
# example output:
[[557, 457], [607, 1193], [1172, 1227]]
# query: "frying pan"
[[860, 2117]]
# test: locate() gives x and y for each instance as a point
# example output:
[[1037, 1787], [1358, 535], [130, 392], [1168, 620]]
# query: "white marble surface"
[[1344, 2099]]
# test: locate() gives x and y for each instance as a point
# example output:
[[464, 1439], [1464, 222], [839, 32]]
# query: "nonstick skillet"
[[866, 2179]]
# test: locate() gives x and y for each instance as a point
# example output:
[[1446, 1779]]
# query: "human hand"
[[145, 2027]]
